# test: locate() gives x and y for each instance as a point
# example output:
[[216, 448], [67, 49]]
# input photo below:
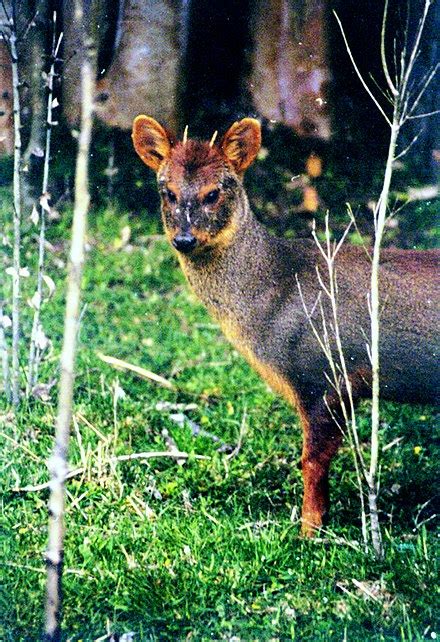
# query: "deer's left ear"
[[241, 143], [151, 141]]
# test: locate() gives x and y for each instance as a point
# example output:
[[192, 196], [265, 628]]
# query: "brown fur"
[[247, 279]]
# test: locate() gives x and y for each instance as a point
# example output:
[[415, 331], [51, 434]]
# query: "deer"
[[248, 280]]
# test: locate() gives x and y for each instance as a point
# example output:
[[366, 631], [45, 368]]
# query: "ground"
[[208, 549]]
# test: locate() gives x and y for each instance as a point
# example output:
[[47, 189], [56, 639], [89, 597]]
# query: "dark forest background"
[[209, 50]]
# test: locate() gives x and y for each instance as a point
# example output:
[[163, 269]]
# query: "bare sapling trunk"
[[329, 339], [38, 297], [58, 460], [33, 57], [10, 38], [404, 101]]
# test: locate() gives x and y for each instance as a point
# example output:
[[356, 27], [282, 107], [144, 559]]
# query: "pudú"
[[248, 281]]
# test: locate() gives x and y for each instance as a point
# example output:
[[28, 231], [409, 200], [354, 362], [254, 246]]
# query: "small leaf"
[[34, 216], [41, 341], [44, 202], [110, 171], [6, 321], [35, 302], [38, 152], [24, 271], [118, 392], [42, 390], [50, 284], [123, 239]]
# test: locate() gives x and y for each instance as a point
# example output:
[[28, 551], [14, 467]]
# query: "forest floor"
[[206, 549]]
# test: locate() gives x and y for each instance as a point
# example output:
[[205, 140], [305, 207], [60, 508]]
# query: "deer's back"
[[281, 334]]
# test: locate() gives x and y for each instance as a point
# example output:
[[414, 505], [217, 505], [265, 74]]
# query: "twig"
[[426, 82], [243, 429], [361, 78], [181, 419], [356, 227], [391, 85], [408, 147], [365, 589], [114, 460], [21, 446], [425, 115], [26, 29], [141, 372], [5, 11], [171, 445]]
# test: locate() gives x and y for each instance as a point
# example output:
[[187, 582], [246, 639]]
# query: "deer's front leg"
[[322, 438]]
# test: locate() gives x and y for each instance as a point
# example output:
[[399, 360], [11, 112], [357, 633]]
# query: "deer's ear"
[[241, 143], [151, 141]]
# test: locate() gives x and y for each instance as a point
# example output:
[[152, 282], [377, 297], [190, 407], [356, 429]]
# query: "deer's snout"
[[184, 243]]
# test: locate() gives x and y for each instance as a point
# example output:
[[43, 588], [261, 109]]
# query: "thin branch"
[[415, 52], [366, 87], [5, 11], [243, 428], [383, 54], [19, 446], [425, 84], [408, 147], [385, 94], [24, 33], [356, 227], [76, 472], [141, 372], [426, 115]]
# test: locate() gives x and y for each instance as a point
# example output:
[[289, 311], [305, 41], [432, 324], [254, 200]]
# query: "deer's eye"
[[170, 196], [211, 197]]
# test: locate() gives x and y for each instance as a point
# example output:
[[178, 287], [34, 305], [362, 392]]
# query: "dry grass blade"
[[140, 372], [364, 588]]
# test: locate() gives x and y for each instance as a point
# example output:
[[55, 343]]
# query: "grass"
[[209, 549]]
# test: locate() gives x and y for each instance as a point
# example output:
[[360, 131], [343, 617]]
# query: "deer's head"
[[199, 182]]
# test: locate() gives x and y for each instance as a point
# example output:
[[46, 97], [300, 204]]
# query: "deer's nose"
[[184, 242]]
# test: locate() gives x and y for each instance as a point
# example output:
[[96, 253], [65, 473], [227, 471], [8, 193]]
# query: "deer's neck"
[[230, 280]]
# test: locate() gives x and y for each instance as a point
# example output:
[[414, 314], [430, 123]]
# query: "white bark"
[[16, 219], [33, 364], [58, 461]]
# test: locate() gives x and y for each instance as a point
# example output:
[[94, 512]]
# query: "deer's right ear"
[[150, 141]]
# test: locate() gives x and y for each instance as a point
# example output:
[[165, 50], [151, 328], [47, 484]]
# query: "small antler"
[[185, 135], [213, 137]]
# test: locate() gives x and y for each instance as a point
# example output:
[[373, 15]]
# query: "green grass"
[[211, 549]]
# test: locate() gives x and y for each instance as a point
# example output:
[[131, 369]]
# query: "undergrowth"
[[207, 549]]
